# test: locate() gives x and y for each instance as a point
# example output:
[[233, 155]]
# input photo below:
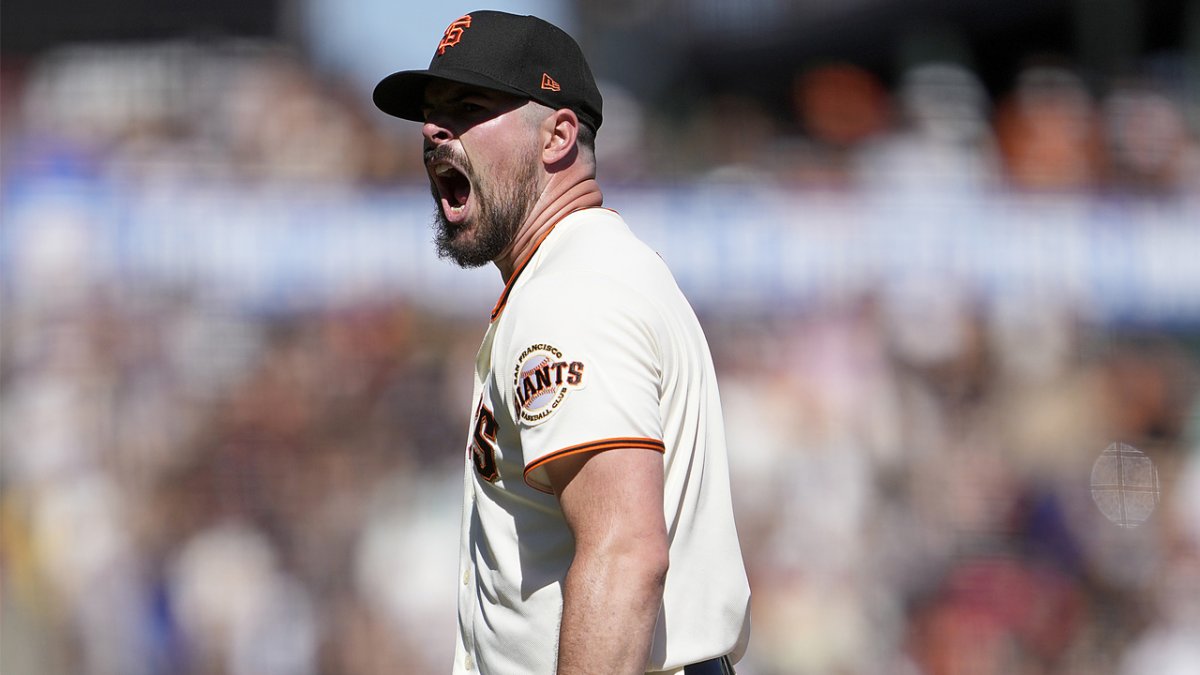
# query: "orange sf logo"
[[454, 33]]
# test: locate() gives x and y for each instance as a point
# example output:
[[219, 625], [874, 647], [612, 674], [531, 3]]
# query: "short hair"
[[586, 137]]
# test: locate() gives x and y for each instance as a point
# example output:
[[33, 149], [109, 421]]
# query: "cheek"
[[499, 147]]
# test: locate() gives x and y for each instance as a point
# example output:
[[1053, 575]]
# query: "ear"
[[560, 130]]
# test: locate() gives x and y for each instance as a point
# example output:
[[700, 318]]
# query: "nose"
[[434, 132]]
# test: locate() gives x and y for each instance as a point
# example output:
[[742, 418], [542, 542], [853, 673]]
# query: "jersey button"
[[469, 663], [466, 577]]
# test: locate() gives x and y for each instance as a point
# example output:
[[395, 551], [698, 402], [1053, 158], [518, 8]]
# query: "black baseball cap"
[[520, 55]]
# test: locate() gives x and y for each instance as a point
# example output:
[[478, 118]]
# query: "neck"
[[551, 207]]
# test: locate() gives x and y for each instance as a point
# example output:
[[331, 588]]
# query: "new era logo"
[[549, 84]]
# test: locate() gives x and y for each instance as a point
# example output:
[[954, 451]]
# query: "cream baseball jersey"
[[592, 347]]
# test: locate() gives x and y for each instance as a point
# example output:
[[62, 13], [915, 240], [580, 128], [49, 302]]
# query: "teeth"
[[444, 170]]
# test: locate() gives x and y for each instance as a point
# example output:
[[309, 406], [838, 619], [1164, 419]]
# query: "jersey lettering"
[[483, 444]]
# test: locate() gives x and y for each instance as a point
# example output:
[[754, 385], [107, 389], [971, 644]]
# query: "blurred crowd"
[[191, 489], [258, 112]]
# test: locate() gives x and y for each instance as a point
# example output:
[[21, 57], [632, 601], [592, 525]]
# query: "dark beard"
[[499, 212]]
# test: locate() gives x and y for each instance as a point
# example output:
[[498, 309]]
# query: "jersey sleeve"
[[583, 371]]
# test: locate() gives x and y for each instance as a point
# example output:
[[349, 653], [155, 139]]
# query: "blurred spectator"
[[1048, 131], [841, 108], [1149, 146], [942, 144]]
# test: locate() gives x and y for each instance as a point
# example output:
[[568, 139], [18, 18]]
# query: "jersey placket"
[[468, 595]]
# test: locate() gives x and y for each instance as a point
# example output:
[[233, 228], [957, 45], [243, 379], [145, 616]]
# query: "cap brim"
[[402, 94]]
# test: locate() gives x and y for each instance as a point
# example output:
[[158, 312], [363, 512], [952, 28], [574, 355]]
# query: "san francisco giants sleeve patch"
[[542, 379]]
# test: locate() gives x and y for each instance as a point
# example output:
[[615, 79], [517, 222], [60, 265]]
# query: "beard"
[[500, 208]]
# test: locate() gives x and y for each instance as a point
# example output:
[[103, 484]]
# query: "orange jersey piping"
[[592, 446]]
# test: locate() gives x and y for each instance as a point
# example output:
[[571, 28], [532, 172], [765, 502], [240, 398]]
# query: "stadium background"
[[945, 253]]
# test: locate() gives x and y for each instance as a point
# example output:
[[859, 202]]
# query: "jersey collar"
[[512, 280]]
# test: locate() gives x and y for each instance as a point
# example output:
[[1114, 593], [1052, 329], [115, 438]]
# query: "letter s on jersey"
[[483, 443], [542, 378]]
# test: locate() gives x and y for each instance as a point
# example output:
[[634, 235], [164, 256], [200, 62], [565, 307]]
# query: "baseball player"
[[598, 533]]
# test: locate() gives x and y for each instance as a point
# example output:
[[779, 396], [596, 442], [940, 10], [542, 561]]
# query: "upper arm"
[[612, 498]]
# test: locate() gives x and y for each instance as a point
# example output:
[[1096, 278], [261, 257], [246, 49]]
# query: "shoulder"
[[586, 296], [599, 240]]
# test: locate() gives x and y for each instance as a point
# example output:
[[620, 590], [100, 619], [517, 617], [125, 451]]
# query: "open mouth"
[[453, 189]]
